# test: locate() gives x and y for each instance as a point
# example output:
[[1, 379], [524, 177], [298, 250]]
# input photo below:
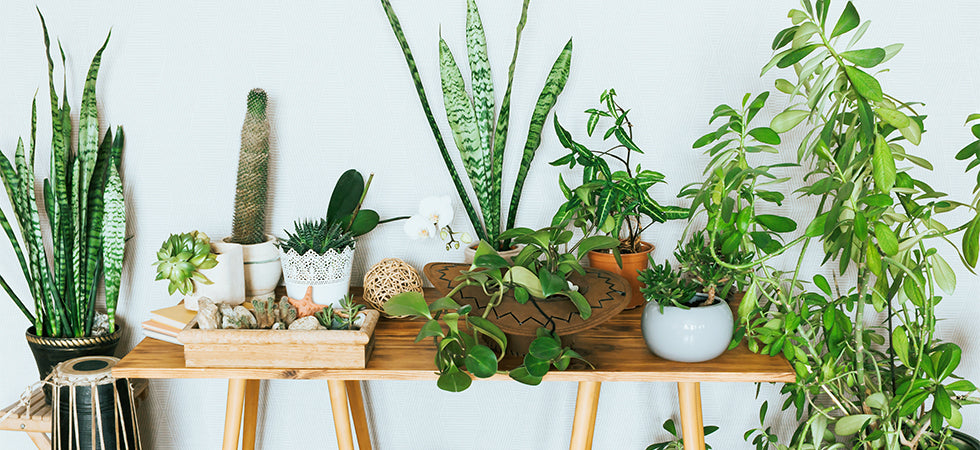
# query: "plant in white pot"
[[320, 254], [686, 318], [262, 269], [197, 267]]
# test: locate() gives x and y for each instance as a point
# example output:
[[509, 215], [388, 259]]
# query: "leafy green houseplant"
[[480, 134], [614, 202], [872, 383], [262, 267], [85, 208], [182, 259]]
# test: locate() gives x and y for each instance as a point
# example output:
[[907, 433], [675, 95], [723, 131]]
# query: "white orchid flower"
[[418, 227], [437, 210]]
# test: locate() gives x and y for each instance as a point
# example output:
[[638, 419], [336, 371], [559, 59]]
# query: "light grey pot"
[[687, 335]]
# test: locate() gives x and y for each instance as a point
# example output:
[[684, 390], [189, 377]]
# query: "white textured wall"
[[176, 73]]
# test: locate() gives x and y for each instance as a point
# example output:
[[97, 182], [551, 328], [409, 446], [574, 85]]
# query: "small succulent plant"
[[343, 319], [319, 236], [181, 259]]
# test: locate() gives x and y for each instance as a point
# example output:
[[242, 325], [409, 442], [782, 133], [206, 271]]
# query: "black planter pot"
[[963, 441], [49, 352]]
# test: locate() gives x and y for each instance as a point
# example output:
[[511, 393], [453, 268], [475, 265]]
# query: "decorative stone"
[[246, 318], [100, 325], [286, 313], [235, 318], [305, 306], [208, 317], [278, 326], [266, 310], [306, 323]]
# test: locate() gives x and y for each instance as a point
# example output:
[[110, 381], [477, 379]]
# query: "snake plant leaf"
[[471, 211], [462, 120], [483, 99], [88, 121], [553, 86], [96, 209], [13, 296], [113, 239]]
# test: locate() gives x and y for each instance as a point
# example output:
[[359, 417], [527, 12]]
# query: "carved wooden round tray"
[[606, 292]]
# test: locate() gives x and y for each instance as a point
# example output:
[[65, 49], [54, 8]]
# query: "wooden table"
[[616, 348]]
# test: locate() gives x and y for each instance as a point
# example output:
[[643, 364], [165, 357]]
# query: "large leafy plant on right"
[[870, 369]]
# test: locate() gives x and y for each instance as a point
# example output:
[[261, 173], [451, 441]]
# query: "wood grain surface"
[[615, 348]]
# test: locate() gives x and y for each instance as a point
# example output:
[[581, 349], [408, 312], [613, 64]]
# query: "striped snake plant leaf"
[[503, 119], [113, 240], [20, 305], [88, 122], [35, 248], [553, 86], [483, 106], [462, 120], [96, 209], [117, 146], [471, 211]]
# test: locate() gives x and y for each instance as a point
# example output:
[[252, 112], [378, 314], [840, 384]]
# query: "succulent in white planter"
[[319, 255], [197, 267]]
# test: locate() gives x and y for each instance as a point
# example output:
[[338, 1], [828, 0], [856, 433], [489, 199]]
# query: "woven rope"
[[387, 278]]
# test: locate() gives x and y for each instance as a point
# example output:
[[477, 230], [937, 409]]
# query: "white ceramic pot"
[[228, 278], [262, 268], [328, 274], [470, 252], [687, 335]]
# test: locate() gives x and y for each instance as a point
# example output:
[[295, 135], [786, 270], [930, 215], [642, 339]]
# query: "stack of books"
[[164, 324]]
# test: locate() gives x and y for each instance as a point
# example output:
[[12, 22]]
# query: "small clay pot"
[[633, 264]]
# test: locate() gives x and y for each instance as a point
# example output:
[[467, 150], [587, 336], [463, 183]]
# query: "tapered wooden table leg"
[[692, 423], [341, 420], [251, 414], [233, 413], [357, 414], [586, 406], [40, 440]]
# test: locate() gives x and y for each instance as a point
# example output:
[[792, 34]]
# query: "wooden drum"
[[91, 410]]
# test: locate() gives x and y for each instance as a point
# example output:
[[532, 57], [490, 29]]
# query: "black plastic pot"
[[963, 441], [49, 351]]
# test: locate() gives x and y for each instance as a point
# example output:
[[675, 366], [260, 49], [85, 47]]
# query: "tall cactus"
[[253, 173]]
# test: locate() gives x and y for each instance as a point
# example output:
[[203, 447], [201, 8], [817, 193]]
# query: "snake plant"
[[480, 134], [85, 208]]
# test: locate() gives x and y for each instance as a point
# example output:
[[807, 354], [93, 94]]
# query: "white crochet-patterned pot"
[[329, 274]]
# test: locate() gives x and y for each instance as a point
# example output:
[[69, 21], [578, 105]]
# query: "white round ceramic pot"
[[328, 274], [262, 268], [227, 278], [687, 335]]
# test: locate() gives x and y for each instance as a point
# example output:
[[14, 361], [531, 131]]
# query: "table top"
[[615, 348]]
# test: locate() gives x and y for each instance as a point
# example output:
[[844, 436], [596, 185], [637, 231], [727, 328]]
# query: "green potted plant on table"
[[262, 269], [686, 318], [197, 268], [480, 136], [618, 202], [871, 383], [86, 212]]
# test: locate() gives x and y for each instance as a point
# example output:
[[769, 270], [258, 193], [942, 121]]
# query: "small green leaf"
[[551, 284], [489, 329], [945, 276], [848, 21], [584, 309], [765, 135], [443, 304], [536, 367], [454, 380], [884, 165], [942, 402], [545, 348], [816, 227], [886, 239], [407, 304], [878, 200], [822, 283], [900, 343], [894, 117], [787, 120], [430, 329], [795, 56], [869, 57], [522, 375], [481, 361], [849, 425], [596, 243], [775, 223], [864, 84]]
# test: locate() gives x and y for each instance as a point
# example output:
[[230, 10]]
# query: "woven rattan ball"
[[387, 278]]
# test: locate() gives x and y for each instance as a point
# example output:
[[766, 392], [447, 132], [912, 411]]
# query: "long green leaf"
[[35, 248], [471, 211], [16, 299], [462, 120], [96, 211], [553, 86], [113, 240], [483, 107]]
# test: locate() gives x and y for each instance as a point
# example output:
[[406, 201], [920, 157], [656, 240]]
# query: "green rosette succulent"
[[181, 260]]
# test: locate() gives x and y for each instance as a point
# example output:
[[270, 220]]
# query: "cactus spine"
[[253, 173]]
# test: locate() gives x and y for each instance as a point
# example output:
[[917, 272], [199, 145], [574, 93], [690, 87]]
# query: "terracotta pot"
[[605, 292], [470, 252], [50, 351], [633, 263]]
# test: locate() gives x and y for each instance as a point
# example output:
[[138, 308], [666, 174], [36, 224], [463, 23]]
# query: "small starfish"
[[305, 306]]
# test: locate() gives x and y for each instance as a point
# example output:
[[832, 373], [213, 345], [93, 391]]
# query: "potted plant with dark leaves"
[[862, 382], [514, 305], [616, 202], [262, 268], [687, 318], [480, 133], [86, 214]]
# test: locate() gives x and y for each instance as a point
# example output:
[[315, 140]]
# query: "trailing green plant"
[[885, 385], [85, 207], [676, 443], [615, 202], [182, 258], [251, 189], [540, 271], [480, 136], [317, 236], [343, 319]]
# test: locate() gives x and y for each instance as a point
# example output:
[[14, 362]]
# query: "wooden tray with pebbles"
[[281, 348]]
